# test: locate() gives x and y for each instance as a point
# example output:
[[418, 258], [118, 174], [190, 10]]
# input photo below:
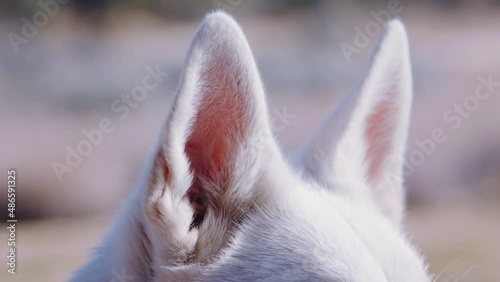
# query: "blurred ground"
[[66, 78], [460, 243]]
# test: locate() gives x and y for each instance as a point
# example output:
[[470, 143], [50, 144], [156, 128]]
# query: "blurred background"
[[66, 65]]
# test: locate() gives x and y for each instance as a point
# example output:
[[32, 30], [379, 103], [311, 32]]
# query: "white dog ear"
[[209, 158], [363, 143]]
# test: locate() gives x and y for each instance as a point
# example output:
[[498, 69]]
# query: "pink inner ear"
[[218, 130], [221, 121], [379, 134]]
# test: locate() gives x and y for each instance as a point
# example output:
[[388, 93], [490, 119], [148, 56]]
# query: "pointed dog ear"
[[209, 159], [363, 143]]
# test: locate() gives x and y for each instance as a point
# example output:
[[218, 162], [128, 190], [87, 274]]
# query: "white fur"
[[331, 216]]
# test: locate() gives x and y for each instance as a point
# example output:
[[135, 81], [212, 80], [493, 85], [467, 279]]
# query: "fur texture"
[[219, 202]]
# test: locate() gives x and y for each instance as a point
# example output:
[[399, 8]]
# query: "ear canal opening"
[[199, 203]]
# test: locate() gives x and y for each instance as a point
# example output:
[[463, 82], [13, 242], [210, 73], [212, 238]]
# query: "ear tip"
[[396, 28], [394, 39], [219, 22], [218, 15], [396, 21]]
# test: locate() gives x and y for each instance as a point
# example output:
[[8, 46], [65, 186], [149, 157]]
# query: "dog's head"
[[223, 204]]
